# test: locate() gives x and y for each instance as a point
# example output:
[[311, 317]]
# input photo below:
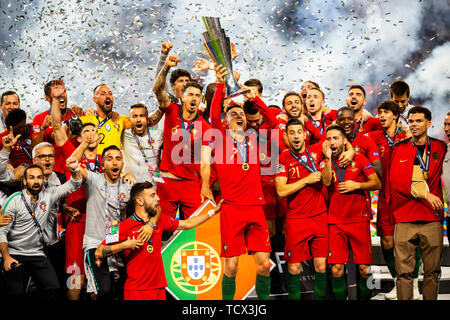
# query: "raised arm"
[[70, 186], [198, 220], [159, 87], [104, 251], [251, 94], [219, 95], [58, 129], [8, 142]]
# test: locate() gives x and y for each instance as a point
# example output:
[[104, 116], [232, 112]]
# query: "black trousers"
[[109, 285], [41, 271]]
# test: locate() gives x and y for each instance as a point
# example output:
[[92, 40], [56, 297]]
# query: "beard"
[[151, 211], [33, 191]]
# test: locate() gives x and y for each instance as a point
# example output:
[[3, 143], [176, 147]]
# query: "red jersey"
[[60, 163], [353, 206], [21, 152], [326, 119], [405, 207], [365, 146], [313, 135], [309, 201], [182, 145], [77, 199], [371, 124], [238, 186], [145, 269], [38, 120], [385, 145]]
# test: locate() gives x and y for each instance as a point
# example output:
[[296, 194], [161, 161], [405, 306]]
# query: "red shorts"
[[243, 228], [186, 193], [74, 246], [385, 218], [306, 238], [275, 206], [343, 236], [152, 294]]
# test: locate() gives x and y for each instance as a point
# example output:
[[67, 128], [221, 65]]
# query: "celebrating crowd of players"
[[115, 183]]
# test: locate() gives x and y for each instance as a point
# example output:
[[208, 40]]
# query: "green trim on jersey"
[[9, 199]]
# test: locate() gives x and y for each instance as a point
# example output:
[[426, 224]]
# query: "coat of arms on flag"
[[196, 266]]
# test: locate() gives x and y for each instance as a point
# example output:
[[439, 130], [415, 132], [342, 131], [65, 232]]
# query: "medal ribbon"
[[242, 149], [355, 132], [185, 129], [321, 122], [305, 164], [389, 139], [88, 164], [137, 219], [425, 166], [340, 172]]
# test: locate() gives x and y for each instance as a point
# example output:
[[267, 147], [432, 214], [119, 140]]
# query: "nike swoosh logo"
[[292, 164], [403, 160]]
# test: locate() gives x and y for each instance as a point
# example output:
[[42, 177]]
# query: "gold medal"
[[245, 166], [149, 248]]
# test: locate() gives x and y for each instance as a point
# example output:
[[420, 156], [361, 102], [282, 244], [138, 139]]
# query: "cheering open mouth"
[[108, 103]]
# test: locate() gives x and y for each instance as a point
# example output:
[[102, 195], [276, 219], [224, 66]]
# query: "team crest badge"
[[122, 196], [196, 265], [43, 206], [98, 262]]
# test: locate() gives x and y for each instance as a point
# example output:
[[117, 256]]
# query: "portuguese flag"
[[193, 265]]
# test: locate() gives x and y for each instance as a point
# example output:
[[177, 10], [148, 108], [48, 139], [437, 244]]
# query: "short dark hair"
[[416, 109], [315, 84], [31, 166], [318, 89], [14, 117], [111, 147], [399, 88], [98, 86], [344, 109], [294, 122], [249, 108], [389, 105], [135, 191], [139, 105], [194, 84], [290, 93], [48, 86], [254, 83], [337, 127], [9, 93], [231, 106], [177, 73], [87, 124], [357, 86]]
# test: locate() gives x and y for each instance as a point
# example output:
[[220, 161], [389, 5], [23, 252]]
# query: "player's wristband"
[[211, 213]]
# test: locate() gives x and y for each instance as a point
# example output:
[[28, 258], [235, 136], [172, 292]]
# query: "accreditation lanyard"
[[36, 222], [320, 124], [101, 123], [389, 139], [137, 219], [90, 166], [425, 166], [304, 161], [150, 141], [186, 129], [117, 210], [340, 172]]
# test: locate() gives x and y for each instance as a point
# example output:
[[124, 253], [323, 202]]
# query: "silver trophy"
[[218, 47]]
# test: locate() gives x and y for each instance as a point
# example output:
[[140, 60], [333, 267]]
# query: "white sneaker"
[[391, 295], [416, 293]]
